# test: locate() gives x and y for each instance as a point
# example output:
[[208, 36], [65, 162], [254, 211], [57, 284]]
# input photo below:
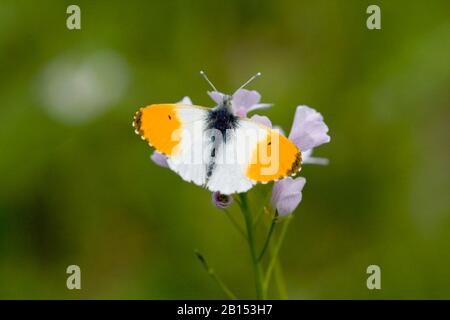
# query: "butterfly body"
[[222, 117]]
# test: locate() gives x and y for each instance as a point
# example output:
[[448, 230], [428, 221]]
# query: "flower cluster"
[[308, 131]]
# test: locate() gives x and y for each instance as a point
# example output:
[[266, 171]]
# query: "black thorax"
[[223, 120]]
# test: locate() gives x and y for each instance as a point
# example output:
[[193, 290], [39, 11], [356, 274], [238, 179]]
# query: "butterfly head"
[[226, 102]]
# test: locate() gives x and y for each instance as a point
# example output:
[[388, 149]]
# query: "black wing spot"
[[170, 118], [137, 122], [296, 165]]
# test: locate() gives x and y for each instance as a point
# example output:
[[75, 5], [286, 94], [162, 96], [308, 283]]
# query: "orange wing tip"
[[137, 125], [296, 166], [157, 123], [295, 169], [137, 122]]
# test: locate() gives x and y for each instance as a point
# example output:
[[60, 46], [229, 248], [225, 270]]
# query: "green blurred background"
[[78, 186]]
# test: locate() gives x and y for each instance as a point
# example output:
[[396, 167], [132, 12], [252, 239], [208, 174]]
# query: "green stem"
[[257, 268], [237, 200], [279, 281], [214, 276], [260, 215], [269, 236], [262, 211], [235, 223], [276, 250]]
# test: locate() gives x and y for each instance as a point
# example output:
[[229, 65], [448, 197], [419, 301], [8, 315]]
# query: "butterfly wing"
[[252, 153], [228, 174], [274, 157], [176, 130]]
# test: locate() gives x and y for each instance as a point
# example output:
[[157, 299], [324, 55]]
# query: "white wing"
[[233, 157], [188, 163], [226, 170]]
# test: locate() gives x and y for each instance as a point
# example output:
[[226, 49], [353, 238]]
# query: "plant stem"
[[279, 281], [257, 268], [269, 236], [235, 223], [276, 250], [263, 210], [214, 276]]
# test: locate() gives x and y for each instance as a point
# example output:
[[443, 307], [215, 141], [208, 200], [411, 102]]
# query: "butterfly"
[[214, 148]]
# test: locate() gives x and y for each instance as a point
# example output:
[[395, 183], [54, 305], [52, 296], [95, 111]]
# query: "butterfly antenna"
[[249, 80], [203, 74]]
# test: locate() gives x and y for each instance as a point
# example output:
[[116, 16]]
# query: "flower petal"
[[279, 129], [245, 101], [246, 98], [308, 159], [308, 129], [259, 106], [216, 96], [159, 159], [185, 100], [262, 119], [287, 194]]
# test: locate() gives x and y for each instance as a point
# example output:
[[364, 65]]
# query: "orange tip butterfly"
[[214, 148]]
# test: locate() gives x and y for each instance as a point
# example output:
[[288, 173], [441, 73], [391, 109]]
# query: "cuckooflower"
[[308, 159], [262, 119], [287, 194], [308, 131], [159, 159], [221, 201]]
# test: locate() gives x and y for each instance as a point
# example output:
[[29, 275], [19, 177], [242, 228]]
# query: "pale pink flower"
[[308, 131], [221, 201], [287, 194], [243, 101]]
